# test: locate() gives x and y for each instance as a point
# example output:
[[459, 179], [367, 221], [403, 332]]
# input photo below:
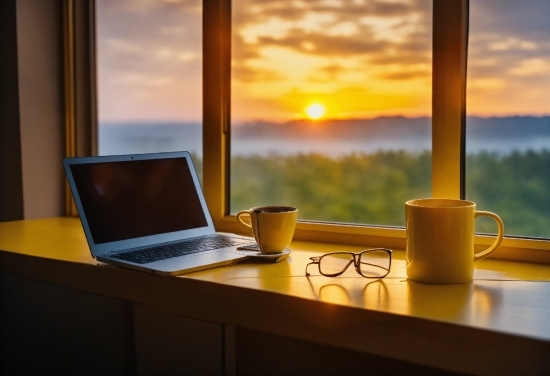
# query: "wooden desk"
[[271, 318]]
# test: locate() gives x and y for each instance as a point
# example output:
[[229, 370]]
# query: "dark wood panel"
[[167, 344], [261, 353], [47, 329]]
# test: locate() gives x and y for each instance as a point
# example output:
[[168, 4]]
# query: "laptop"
[[147, 212]]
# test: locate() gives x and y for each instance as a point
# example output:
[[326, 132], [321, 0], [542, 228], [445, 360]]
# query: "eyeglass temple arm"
[[314, 260]]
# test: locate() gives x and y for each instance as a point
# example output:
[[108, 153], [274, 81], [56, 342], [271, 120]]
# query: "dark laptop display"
[[136, 198]]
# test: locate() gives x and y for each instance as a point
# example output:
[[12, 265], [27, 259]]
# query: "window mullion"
[[450, 46], [216, 104]]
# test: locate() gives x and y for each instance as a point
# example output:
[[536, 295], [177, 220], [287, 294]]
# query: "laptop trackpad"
[[197, 261]]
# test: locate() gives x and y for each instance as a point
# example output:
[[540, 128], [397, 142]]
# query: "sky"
[[347, 58]]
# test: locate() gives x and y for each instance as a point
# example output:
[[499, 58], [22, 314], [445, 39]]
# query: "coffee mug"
[[440, 240], [272, 226]]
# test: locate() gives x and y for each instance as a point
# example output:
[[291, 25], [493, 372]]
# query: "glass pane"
[[149, 66], [508, 123], [331, 104]]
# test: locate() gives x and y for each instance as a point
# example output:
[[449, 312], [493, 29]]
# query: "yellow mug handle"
[[243, 223], [492, 248]]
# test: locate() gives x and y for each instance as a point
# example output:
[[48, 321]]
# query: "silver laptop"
[[148, 212]]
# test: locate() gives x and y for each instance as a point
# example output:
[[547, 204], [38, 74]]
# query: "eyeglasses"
[[371, 263]]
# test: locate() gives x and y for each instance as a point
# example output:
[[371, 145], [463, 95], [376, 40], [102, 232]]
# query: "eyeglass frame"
[[355, 261]]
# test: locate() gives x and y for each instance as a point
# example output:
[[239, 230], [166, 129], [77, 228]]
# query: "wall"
[[31, 109]]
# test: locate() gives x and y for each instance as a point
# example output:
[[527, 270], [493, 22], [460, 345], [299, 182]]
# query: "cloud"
[[252, 75], [154, 47], [332, 71], [277, 40], [524, 20], [149, 56], [123, 46], [407, 75], [509, 57], [324, 45], [347, 30]]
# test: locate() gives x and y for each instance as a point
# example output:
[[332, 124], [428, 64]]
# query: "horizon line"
[[251, 121]]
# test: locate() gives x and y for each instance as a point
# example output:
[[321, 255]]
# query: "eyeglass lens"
[[335, 263], [373, 264]]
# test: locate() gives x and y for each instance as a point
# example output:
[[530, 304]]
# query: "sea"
[[500, 135]]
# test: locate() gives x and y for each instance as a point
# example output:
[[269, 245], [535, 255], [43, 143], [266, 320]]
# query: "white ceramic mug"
[[440, 240], [272, 226]]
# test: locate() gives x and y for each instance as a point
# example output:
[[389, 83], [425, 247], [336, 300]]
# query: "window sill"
[[512, 249]]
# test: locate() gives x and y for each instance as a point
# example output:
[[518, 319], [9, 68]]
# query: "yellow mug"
[[272, 226], [440, 240]]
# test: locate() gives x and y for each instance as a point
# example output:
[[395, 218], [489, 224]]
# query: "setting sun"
[[316, 110]]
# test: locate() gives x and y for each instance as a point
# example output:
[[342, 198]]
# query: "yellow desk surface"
[[499, 321]]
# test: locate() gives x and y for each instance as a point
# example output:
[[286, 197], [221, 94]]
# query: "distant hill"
[[508, 127], [335, 137], [396, 126]]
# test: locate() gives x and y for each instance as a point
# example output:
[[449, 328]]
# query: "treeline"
[[356, 188], [516, 187], [372, 188]]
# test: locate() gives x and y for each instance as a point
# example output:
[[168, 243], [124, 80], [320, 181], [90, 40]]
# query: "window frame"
[[80, 85], [450, 44]]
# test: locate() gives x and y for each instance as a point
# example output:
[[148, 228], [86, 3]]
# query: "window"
[[149, 62], [448, 112], [330, 107], [508, 127], [233, 70]]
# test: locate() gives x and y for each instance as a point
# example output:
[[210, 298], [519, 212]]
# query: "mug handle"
[[243, 223], [492, 248]]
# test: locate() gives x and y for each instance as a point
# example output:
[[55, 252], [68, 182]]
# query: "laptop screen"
[[135, 198]]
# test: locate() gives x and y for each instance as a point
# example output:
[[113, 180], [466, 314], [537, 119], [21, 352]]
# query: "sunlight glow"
[[316, 110]]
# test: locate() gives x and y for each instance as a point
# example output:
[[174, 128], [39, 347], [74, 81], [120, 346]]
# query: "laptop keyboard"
[[162, 252]]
